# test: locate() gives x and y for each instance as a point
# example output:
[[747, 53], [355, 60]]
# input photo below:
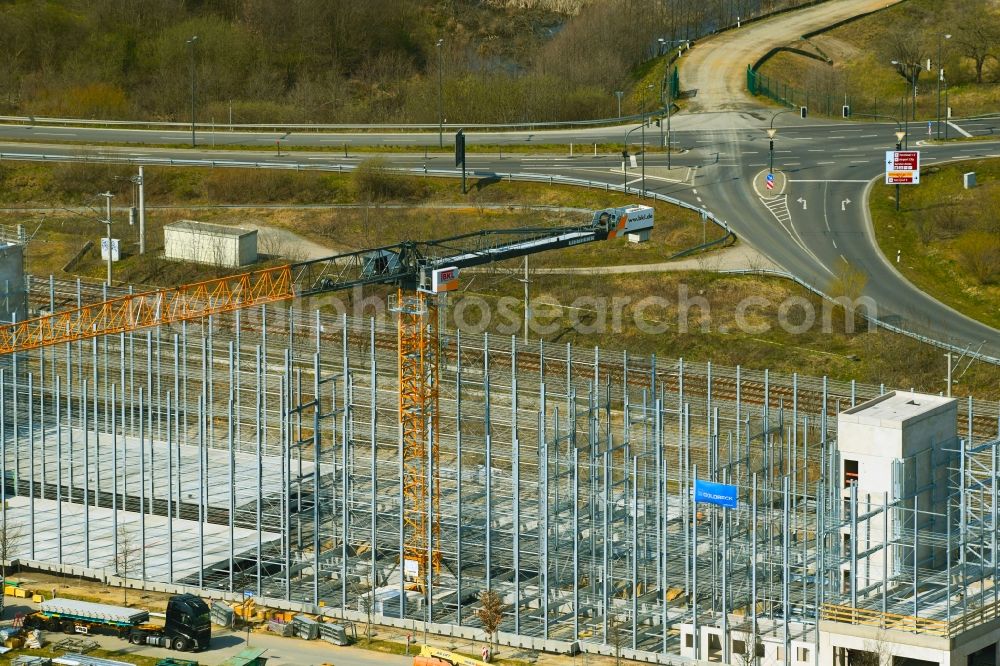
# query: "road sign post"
[[770, 181], [902, 167]]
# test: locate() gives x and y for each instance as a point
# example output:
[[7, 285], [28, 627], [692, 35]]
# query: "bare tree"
[[11, 535], [367, 601], [752, 648], [616, 636], [490, 614], [126, 559], [978, 33], [877, 652]]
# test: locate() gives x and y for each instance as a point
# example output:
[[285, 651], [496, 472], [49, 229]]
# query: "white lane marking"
[[816, 150], [860, 161], [751, 152], [56, 133], [792, 163], [387, 140], [699, 199], [834, 243], [761, 164], [837, 137], [336, 140], [868, 136], [695, 190], [958, 129], [782, 151], [824, 180], [825, 162], [847, 130], [844, 259]]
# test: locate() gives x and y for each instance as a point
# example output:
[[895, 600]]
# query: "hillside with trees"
[[345, 61]]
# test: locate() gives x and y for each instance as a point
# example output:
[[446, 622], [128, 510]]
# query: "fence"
[[830, 104]]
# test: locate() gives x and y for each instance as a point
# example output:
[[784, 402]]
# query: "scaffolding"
[[263, 449]]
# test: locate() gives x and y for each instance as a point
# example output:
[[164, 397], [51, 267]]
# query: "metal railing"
[[320, 127]]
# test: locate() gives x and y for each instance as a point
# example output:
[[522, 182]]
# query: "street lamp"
[[770, 135], [914, 66], [648, 87], [440, 96], [940, 77], [190, 43], [618, 94], [107, 220], [625, 157], [669, 81]]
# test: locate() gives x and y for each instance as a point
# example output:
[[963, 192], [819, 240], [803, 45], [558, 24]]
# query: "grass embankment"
[[948, 238], [881, 357], [736, 330], [62, 233], [862, 52]]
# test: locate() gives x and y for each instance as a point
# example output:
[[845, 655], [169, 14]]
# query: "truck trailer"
[[187, 625]]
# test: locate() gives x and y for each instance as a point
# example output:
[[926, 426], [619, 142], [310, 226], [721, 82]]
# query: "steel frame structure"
[[563, 483]]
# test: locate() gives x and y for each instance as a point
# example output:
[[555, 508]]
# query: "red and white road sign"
[[902, 167], [770, 184]]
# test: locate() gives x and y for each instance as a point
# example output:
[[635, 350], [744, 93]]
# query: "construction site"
[[348, 466]]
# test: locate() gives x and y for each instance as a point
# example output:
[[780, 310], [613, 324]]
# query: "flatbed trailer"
[[187, 625]]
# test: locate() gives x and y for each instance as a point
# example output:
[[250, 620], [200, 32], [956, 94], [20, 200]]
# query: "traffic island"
[[769, 184]]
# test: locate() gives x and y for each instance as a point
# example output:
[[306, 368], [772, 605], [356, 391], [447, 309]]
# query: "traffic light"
[[803, 111], [846, 111], [657, 122], [624, 154]]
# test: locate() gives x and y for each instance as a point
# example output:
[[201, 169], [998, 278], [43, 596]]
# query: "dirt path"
[[716, 68]]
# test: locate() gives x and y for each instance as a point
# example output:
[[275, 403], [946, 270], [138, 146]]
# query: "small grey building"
[[206, 243], [13, 297]]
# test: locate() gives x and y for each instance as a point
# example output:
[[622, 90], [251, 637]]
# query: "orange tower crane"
[[419, 269]]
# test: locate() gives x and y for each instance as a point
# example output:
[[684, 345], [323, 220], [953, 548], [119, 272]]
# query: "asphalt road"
[[821, 222]]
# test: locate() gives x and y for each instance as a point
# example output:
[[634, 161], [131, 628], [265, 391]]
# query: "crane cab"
[[634, 222]]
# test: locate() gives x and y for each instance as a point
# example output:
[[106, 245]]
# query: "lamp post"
[[940, 77], [191, 42], [440, 95], [625, 157], [770, 135], [618, 94], [914, 66], [107, 220], [648, 87]]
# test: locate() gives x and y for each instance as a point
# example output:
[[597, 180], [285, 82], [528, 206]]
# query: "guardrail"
[[510, 176], [313, 127]]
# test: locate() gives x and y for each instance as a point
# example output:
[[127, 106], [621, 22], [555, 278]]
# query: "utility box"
[[205, 243], [969, 180]]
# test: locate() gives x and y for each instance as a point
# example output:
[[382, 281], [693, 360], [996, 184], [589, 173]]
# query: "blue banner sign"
[[715, 493]]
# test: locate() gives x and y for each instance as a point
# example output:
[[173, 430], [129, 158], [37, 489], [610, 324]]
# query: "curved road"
[[820, 221]]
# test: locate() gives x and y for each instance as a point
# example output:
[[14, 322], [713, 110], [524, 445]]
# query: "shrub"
[[979, 252]]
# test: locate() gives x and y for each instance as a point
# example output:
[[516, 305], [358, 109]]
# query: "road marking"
[[761, 164], [868, 136], [803, 202], [847, 130], [825, 162], [699, 199], [844, 259], [834, 243], [56, 133], [782, 151], [336, 140], [843, 204], [387, 140], [837, 137], [751, 152], [860, 161], [816, 150], [695, 190], [825, 180], [958, 129], [791, 163]]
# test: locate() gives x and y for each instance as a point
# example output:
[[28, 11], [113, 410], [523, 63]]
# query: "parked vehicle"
[[187, 625]]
